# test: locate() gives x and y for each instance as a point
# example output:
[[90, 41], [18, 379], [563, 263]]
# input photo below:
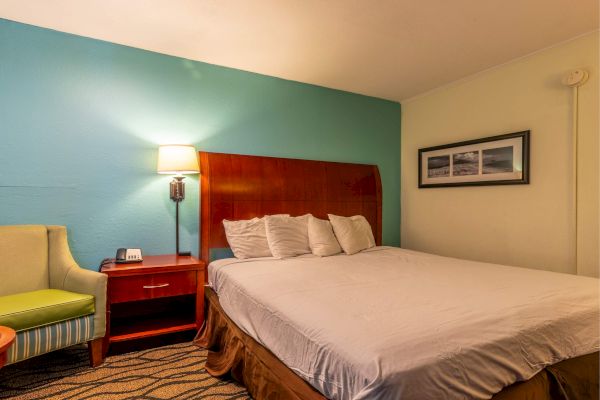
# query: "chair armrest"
[[65, 274], [81, 280]]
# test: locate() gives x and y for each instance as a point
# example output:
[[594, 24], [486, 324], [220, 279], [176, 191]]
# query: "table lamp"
[[177, 159]]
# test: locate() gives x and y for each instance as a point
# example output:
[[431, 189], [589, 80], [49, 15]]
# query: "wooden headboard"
[[237, 187]]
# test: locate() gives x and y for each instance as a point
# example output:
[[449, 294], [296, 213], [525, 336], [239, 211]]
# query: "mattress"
[[391, 323]]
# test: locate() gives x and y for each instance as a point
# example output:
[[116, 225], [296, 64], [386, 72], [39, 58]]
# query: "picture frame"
[[493, 160]]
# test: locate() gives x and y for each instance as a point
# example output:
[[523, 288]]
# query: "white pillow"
[[321, 239], [247, 238], [353, 233], [287, 236]]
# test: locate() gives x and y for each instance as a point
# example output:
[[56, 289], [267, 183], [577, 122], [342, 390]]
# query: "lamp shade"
[[177, 159]]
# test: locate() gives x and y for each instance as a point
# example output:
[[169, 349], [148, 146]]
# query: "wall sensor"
[[577, 77]]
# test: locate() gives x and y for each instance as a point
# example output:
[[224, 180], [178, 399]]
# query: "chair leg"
[[95, 351]]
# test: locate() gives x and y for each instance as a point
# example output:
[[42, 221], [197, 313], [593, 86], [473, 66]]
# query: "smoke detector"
[[575, 78]]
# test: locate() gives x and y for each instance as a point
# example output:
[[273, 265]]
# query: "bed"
[[358, 327]]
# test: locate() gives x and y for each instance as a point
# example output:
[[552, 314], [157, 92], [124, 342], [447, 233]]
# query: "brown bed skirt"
[[233, 352]]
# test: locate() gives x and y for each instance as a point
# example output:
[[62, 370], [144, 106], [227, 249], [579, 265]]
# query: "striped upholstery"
[[33, 342]]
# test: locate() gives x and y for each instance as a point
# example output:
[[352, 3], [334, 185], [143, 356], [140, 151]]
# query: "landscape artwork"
[[465, 163], [498, 160], [494, 160], [438, 166]]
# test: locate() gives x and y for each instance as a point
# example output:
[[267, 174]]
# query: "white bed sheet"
[[397, 324]]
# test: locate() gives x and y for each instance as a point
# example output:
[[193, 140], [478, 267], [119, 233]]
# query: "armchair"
[[45, 296]]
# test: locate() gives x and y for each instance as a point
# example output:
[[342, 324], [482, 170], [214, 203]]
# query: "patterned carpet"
[[170, 372]]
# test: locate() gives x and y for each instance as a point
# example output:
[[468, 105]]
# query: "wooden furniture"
[[241, 187], [7, 337], [163, 294]]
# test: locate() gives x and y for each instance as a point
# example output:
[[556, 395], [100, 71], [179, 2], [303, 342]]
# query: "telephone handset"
[[128, 256]]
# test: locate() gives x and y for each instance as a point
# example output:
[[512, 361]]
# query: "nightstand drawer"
[[151, 286]]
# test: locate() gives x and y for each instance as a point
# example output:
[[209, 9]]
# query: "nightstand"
[[160, 295]]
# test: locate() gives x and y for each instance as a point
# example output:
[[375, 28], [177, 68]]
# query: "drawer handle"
[[156, 286]]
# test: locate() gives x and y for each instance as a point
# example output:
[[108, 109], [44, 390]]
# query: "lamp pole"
[[177, 227], [177, 195]]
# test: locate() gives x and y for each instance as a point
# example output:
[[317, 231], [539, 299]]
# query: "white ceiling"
[[382, 48]]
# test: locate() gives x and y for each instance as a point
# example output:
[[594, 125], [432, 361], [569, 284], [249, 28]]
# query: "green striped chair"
[[45, 296]]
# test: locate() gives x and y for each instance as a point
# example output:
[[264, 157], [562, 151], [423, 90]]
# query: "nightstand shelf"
[[146, 318], [161, 295], [149, 328]]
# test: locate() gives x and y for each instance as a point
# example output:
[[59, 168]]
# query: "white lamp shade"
[[177, 159]]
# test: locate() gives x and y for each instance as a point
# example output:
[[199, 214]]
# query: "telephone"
[[128, 256]]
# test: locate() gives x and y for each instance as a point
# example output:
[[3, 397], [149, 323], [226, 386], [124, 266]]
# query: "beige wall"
[[524, 225]]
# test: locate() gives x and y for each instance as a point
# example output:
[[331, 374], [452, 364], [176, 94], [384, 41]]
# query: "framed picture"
[[495, 160]]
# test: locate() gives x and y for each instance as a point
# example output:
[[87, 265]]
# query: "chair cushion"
[[43, 307]]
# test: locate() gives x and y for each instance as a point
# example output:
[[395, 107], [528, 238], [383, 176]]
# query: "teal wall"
[[81, 120]]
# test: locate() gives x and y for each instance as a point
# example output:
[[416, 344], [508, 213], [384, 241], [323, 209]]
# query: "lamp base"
[[177, 188]]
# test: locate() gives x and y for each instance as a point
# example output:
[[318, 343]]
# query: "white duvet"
[[397, 324]]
